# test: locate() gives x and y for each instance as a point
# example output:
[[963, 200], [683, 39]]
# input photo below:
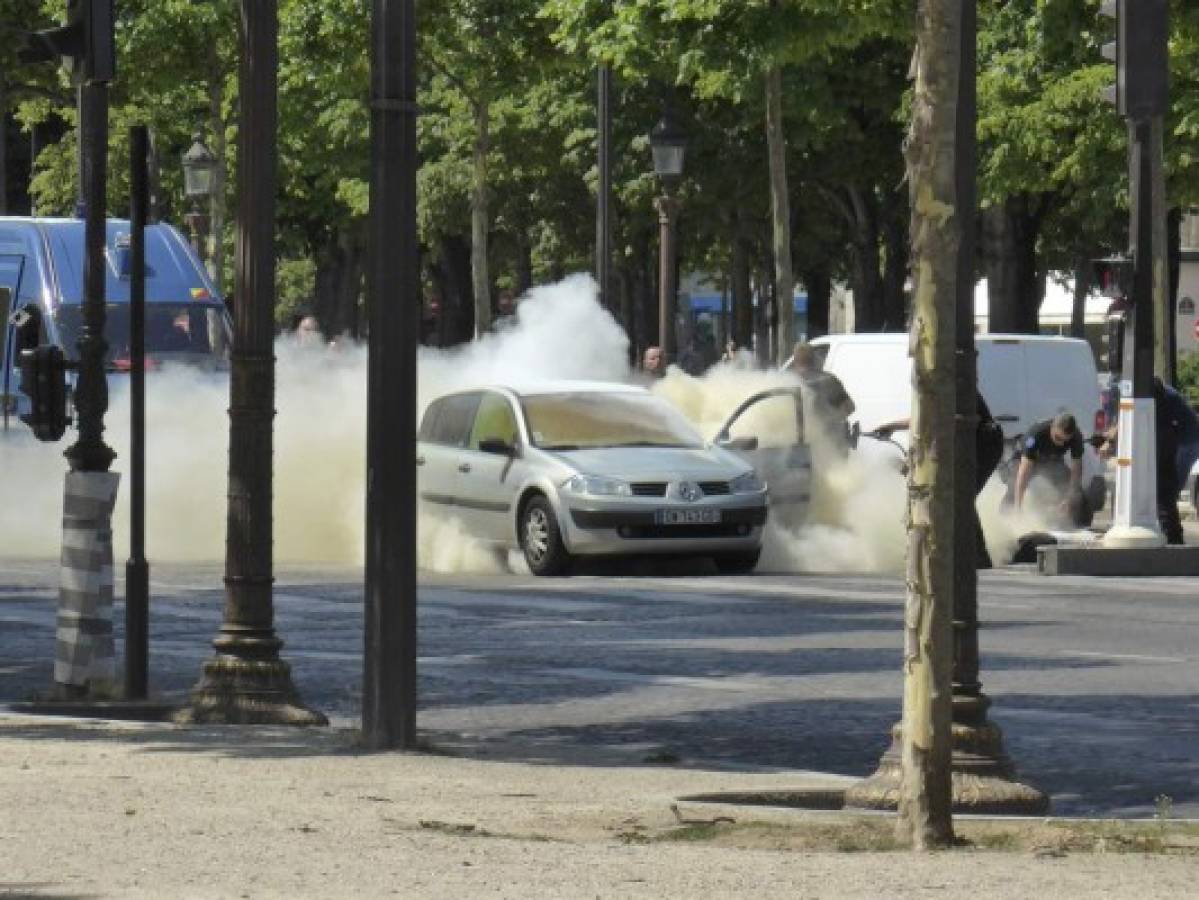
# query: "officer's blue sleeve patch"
[[1029, 443]]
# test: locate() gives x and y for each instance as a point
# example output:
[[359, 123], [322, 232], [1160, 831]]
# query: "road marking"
[[1134, 657]]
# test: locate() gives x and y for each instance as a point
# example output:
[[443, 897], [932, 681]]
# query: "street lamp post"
[[199, 167], [669, 145], [247, 682]]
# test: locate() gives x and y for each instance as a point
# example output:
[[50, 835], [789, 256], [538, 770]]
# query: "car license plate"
[[687, 516]]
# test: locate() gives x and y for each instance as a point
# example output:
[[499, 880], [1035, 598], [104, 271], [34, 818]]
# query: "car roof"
[[874, 337], [558, 386]]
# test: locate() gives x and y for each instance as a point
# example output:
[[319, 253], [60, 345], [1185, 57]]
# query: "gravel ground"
[[114, 809]]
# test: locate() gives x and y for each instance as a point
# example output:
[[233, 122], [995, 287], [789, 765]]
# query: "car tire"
[[737, 563], [541, 539]]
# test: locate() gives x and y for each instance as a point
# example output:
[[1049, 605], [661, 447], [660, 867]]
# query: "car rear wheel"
[[736, 563], [541, 539]]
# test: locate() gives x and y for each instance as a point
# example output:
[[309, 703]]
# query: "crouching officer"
[[1052, 450]]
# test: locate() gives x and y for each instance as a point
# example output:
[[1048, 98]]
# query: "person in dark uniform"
[[988, 449], [1052, 450]]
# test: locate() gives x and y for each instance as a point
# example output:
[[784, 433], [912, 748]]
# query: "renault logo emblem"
[[689, 491]]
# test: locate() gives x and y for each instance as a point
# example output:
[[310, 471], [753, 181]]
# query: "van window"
[[191, 332], [452, 420], [494, 419]]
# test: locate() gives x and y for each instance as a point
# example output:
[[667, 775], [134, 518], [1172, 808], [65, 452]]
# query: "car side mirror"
[[498, 446]]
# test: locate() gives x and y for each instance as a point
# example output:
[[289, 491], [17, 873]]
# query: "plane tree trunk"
[[925, 800]]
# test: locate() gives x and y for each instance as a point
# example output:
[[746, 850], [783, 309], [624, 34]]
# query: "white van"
[[1024, 378]]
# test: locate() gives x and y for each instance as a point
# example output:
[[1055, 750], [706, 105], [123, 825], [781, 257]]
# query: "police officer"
[[1053, 450]]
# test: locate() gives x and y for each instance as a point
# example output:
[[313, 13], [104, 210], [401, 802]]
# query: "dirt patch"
[[877, 835]]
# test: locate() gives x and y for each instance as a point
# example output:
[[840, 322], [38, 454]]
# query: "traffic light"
[[85, 43], [44, 382], [1141, 56], [1113, 275]]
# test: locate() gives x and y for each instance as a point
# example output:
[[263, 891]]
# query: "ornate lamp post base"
[[984, 779], [236, 691]]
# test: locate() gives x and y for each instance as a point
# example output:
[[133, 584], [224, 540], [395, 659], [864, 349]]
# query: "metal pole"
[[137, 570], [603, 239], [89, 453], [668, 208], [393, 298], [1142, 278], [967, 691], [246, 682]]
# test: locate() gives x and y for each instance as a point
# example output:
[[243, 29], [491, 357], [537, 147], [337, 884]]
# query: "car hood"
[[655, 463]]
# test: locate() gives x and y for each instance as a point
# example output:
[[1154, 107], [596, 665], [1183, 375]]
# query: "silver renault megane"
[[572, 469]]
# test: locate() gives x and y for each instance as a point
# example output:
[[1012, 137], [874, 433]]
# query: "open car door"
[[768, 431]]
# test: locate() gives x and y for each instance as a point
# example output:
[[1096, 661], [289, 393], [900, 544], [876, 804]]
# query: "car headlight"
[[598, 486], [749, 483]]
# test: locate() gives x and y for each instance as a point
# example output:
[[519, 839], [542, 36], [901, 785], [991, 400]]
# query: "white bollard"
[[84, 657], [1134, 517]]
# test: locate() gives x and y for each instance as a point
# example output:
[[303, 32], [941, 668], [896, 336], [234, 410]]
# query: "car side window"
[[494, 420], [455, 418], [428, 422]]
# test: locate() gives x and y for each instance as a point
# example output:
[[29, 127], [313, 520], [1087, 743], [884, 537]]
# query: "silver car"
[[584, 469]]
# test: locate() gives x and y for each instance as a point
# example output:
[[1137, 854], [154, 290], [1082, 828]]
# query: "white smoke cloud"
[[558, 332]]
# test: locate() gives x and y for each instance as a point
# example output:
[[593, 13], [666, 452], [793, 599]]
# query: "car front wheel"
[[541, 539]]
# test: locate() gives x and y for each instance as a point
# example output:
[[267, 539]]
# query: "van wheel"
[[541, 539], [736, 563]]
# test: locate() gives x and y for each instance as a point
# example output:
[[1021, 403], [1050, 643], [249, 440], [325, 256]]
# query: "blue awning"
[[711, 303]]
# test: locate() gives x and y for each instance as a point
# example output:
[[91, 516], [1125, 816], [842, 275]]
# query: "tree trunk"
[[479, 220], [926, 792], [784, 278], [739, 282], [819, 284], [867, 279], [1082, 287], [895, 271], [524, 263], [765, 323], [339, 283], [3, 150], [1174, 269], [451, 274], [1015, 286]]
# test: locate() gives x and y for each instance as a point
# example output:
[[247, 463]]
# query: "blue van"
[[41, 288]]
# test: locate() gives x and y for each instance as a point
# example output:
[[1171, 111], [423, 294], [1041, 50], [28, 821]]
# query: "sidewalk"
[[132, 810]]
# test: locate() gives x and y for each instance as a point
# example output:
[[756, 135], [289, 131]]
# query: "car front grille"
[[714, 488], [649, 488]]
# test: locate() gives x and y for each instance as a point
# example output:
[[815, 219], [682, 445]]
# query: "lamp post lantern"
[[669, 145], [199, 169]]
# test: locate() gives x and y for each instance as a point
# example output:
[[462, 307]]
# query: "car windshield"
[[194, 332], [577, 420]]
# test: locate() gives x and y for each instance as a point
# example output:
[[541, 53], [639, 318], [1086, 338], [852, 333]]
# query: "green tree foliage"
[[507, 137]]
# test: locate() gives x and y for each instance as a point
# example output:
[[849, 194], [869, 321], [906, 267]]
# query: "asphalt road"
[[1093, 681]]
